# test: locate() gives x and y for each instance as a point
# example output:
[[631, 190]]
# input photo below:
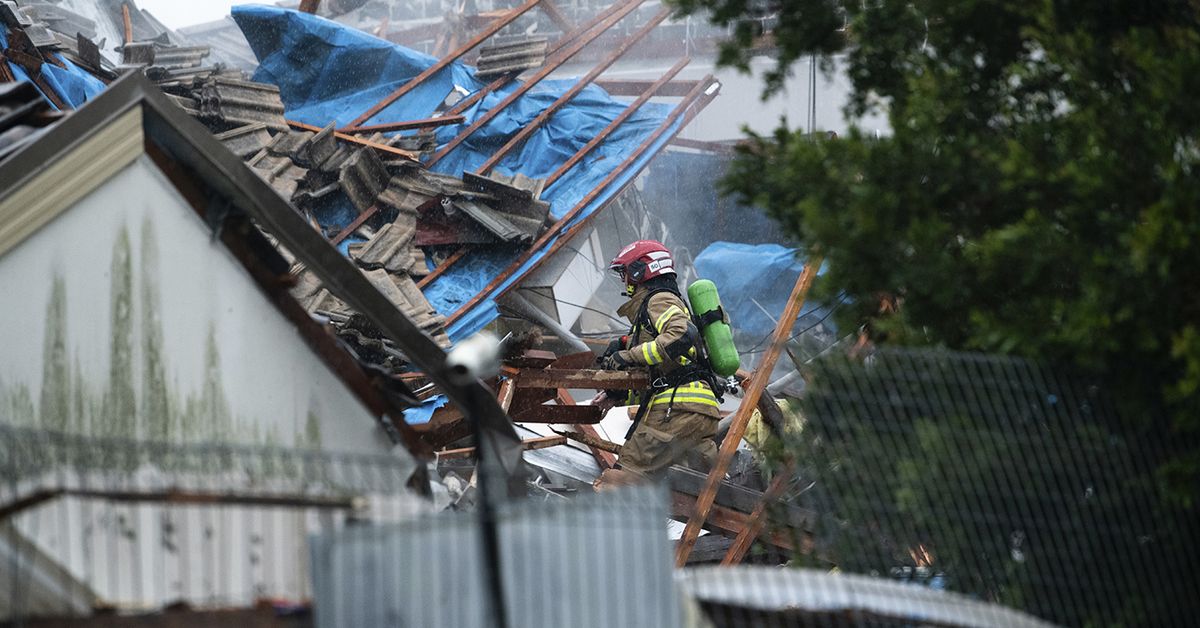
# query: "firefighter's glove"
[[614, 362], [616, 344]]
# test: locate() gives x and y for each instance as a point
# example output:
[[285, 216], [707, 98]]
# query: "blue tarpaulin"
[[74, 84], [754, 281], [424, 412], [328, 72]]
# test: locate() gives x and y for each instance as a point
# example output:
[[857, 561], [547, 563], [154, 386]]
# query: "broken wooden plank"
[[566, 415], [758, 384], [581, 360], [740, 498], [532, 358], [709, 549], [724, 520], [593, 441], [444, 427], [383, 148], [531, 444], [754, 525], [407, 125], [606, 459], [505, 396], [582, 378]]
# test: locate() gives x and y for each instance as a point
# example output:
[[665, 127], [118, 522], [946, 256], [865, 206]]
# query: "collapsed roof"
[[444, 188]]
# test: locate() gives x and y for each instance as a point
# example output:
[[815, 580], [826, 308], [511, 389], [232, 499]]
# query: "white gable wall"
[[233, 369], [271, 379]]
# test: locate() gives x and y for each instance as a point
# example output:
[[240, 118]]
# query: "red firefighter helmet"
[[640, 261]]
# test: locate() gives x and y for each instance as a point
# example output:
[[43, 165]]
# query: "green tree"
[[55, 407], [120, 405], [1015, 481], [1037, 195]]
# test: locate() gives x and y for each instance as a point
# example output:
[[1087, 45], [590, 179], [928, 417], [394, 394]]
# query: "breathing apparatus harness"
[[697, 368]]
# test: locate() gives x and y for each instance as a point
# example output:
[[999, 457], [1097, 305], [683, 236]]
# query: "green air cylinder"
[[714, 327]]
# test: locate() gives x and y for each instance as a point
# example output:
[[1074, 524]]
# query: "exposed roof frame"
[[565, 229], [444, 62]]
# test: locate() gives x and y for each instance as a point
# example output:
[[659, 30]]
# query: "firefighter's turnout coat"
[[679, 424]]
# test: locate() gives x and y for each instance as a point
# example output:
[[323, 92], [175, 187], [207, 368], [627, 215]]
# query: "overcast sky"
[[177, 14]]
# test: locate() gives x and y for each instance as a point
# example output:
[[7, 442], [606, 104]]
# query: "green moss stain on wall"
[[310, 437], [80, 401], [55, 406], [17, 404], [156, 410], [120, 405], [214, 413]]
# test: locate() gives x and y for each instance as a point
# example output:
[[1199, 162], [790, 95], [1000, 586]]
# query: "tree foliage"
[[1006, 479], [1038, 194]]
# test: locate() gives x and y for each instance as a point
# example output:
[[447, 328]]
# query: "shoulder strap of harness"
[[642, 320]]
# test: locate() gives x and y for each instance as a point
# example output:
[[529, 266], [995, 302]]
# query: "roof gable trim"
[[70, 177]]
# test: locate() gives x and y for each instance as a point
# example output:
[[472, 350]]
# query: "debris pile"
[[459, 232], [23, 112], [504, 55]]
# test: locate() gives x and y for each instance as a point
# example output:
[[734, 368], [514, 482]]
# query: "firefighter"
[[677, 417]]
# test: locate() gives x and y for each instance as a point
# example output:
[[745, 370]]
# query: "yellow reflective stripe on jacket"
[[694, 392], [650, 353], [666, 316]]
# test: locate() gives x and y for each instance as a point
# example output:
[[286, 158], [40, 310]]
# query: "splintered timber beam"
[[527, 445], [562, 415], [725, 520], [567, 52], [758, 383], [407, 125], [553, 232], [606, 459], [593, 441], [444, 62], [583, 378], [127, 22], [505, 395], [612, 57], [383, 148]]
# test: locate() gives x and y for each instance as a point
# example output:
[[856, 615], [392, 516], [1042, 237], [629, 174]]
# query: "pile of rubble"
[[378, 176]]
